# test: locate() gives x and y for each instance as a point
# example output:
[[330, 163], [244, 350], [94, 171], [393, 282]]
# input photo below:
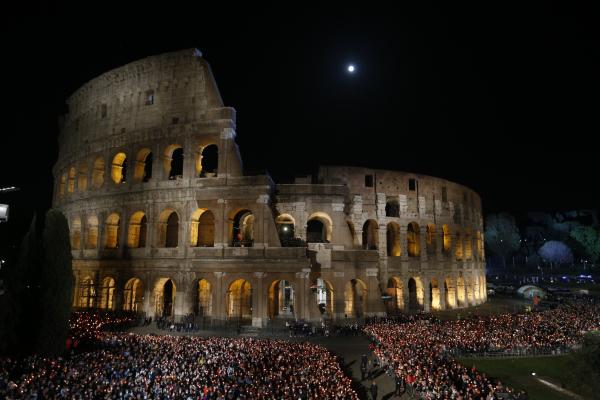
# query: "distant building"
[[164, 221]]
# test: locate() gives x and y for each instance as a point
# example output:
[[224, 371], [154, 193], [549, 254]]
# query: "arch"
[[239, 300], [62, 185], [112, 231], [415, 294], [355, 297], [242, 228], [168, 231], [468, 251], [164, 297], [479, 245], [98, 173], [392, 233], [118, 170], [203, 303], [133, 295], [138, 228], [143, 166], [458, 250], [202, 229], [207, 162], [413, 240], [87, 293], [370, 235], [76, 233], [447, 240], [482, 287], [281, 299], [431, 241], [319, 233], [82, 179], [72, 175], [450, 290], [461, 299], [396, 291], [325, 297], [91, 241], [107, 293], [392, 208], [286, 228], [470, 286], [173, 161], [434, 294]]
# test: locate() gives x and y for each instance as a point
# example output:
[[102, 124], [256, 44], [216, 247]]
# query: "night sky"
[[503, 100]]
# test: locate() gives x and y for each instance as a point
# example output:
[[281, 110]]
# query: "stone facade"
[[164, 221]]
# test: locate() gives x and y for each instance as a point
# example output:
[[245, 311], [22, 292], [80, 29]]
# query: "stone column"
[[426, 294], [403, 242], [221, 224], [375, 305], [405, 294], [259, 307], [423, 242], [219, 300]]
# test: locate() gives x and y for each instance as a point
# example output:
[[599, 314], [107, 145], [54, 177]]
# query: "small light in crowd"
[[533, 373], [285, 228]]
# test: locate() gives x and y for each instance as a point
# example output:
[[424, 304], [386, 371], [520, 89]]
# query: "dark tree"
[[556, 252], [501, 235], [56, 284], [589, 238]]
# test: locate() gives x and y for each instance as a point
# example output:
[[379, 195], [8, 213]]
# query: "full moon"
[[351, 68]]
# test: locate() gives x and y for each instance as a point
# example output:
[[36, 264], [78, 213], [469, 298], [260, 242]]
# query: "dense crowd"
[[418, 348], [130, 366]]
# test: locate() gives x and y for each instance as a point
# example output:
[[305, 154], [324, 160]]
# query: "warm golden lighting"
[[447, 239], [136, 236], [112, 231], [98, 173], [92, 232], [239, 299], [394, 248], [413, 240], [76, 234], [118, 163]]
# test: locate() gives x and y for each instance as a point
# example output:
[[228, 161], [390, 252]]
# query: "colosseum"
[[165, 221]]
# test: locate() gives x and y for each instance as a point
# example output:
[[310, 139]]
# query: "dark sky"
[[504, 100]]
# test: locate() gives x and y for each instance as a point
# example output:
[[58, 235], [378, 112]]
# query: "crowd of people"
[[419, 348]]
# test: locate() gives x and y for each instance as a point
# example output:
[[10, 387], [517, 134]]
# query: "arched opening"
[[458, 251], [118, 170], [107, 293], [63, 184], [370, 235], [355, 297], [133, 296], [468, 245], [431, 239], [91, 241], [138, 227], [143, 166], [325, 297], [176, 170], [203, 303], [281, 299], [286, 229], [413, 240], [447, 239], [98, 173], [482, 288], [168, 230], [393, 245], [207, 164], [450, 290], [72, 173], [112, 231], [76, 233], [479, 245], [242, 229], [83, 177], [202, 230], [415, 294], [239, 300], [434, 294], [164, 297], [392, 208], [87, 293], [319, 228], [395, 304], [461, 294]]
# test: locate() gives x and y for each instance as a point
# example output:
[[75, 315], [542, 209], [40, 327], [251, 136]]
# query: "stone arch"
[[319, 228], [468, 251], [112, 230], [458, 250], [431, 241], [82, 179], [461, 299], [207, 163], [355, 296], [203, 304], [479, 245], [415, 294], [395, 290], [164, 297], [285, 228], [76, 233], [450, 289], [133, 295], [202, 229], [173, 161], [87, 293], [143, 165], [98, 173], [281, 299], [413, 240], [107, 293], [138, 229], [434, 294], [62, 185], [72, 176], [392, 233], [239, 300], [118, 170], [91, 241], [168, 231], [242, 228], [370, 235], [325, 297], [392, 208], [447, 239]]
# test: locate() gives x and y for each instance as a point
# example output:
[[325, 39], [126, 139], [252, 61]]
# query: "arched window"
[[76, 234], [415, 294], [286, 228], [203, 306], [107, 293], [207, 164], [479, 245], [173, 161], [164, 297], [447, 239], [118, 171], [63, 184], [133, 295], [355, 297], [434, 294], [413, 239], [239, 300], [281, 299], [138, 227], [319, 228], [394, 249], [98, 173], [92, 232], [72, 174], [392, 208], [172, 232], [468, 244], [370, 235], [242, 232], [431, 239], [325, 297], [458, 251], [395, 291], [83, 177], [87, 293], [112, 228], [202, 232], [143, 166]]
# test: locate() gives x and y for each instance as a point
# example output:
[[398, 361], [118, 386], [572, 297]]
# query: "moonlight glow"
[[351, 68]]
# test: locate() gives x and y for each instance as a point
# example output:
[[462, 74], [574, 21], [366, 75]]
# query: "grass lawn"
[[516, 372]]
